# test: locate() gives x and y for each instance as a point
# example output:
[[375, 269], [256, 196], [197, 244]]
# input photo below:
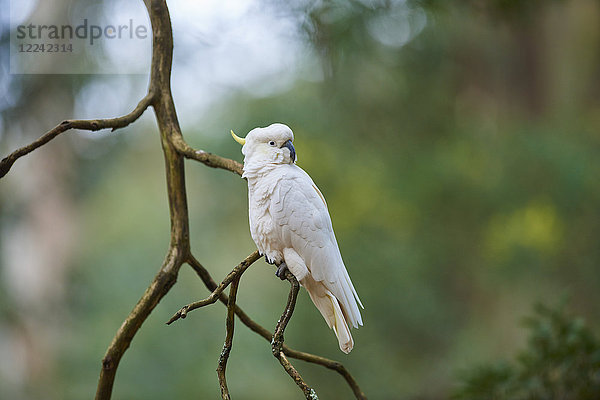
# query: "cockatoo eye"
[[272, 143]]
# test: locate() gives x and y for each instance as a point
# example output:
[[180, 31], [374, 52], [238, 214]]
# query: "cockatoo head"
[[269, 145]]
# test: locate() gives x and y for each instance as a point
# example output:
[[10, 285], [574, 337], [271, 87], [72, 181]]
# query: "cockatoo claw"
[[267, 260], [281, 271]]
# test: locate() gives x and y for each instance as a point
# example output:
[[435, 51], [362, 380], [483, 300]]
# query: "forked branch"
[[267, 335], [168, 126], [214, 296]]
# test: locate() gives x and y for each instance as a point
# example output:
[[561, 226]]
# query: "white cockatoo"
[[290, 225]]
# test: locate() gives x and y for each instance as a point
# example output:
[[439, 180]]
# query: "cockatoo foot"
[[267, 260], [281, 268]]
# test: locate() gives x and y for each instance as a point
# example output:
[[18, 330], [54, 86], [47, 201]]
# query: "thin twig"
[[214, 296], [208, 159], [267, 335], [330, 364], [277, 341], [230, 324], [88, 125]]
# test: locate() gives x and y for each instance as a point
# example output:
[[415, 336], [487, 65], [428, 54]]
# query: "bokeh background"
[[457, 143]]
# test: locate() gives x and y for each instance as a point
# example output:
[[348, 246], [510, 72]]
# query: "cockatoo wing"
[[302, 220]]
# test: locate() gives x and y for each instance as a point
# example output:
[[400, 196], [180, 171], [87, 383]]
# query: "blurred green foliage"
[[561, 361]]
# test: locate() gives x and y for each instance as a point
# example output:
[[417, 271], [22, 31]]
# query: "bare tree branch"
[[230, 324], [267, 335], [214, 296], [168, 125], [87, 125], [277, 341], [162, 282], [208, 159], [327, 363]]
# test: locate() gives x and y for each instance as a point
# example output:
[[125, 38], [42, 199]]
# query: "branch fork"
[[236, 273], [277, 340]]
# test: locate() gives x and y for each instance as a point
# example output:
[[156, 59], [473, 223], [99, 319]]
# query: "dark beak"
[[290, 147]]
